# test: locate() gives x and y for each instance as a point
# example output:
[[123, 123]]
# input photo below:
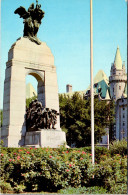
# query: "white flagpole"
[[92, 93]]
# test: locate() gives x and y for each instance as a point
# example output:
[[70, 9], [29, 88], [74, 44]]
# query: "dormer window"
[[99, 90], [96, 84]]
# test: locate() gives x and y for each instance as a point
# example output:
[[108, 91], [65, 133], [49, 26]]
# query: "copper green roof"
[[118, 60], [100, 76], [101, 79]]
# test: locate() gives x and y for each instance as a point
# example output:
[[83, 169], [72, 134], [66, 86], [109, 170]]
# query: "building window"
[[96, 84], [99, 90], [119, 87], [123, 123], [123, 115], [113, 89], [123, 108]]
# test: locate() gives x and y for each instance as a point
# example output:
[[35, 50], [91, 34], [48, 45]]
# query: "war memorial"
[[39, 125], [34, 158]]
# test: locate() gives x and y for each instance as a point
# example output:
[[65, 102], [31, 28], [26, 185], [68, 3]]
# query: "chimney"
[[68, 88]]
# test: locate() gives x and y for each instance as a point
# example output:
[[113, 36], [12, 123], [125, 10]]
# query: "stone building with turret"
[[114, 88], [118, 92]]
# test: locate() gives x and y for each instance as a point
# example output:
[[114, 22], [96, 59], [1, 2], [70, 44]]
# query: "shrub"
[[111, 172], [46, 169], [84, 190], [119, 189], [5, 187], [99, 151], [118, 147], [19, 188]]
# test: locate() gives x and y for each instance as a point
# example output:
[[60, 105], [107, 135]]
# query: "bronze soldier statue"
[[38, 117]]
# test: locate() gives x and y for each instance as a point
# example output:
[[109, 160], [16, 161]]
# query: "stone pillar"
[[26, 57], [14, 104], [51, 93]]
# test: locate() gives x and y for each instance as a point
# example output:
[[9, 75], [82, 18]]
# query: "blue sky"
[[66, 30]]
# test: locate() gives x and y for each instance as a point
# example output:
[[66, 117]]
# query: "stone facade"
[[118, 81], [27, 58], [121, 118]]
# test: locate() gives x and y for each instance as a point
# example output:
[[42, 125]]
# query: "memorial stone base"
[[45, 138]]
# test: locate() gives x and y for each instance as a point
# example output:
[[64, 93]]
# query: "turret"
[[118, 77]]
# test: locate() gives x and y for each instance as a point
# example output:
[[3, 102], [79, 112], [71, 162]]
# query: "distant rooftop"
[[100, 80], [99, 77]]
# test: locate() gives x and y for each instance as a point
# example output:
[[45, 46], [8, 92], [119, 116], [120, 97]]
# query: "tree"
[[29, 100], [75, 119]]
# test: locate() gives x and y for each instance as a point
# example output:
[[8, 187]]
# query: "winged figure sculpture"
[[32, 21]]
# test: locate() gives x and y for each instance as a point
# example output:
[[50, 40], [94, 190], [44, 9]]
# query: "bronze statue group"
[[38, 117]]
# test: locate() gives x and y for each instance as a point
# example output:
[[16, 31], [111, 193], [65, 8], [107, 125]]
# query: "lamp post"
[[92, 93]]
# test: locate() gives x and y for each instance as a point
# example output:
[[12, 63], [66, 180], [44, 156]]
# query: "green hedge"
[[45, 169], [118, 189], [84, 190], [118, 147]]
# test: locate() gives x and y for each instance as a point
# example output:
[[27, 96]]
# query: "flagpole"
[[91, 70], [127, 80]]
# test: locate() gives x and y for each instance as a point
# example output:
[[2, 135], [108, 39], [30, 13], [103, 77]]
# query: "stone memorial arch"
[[29, 56]]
